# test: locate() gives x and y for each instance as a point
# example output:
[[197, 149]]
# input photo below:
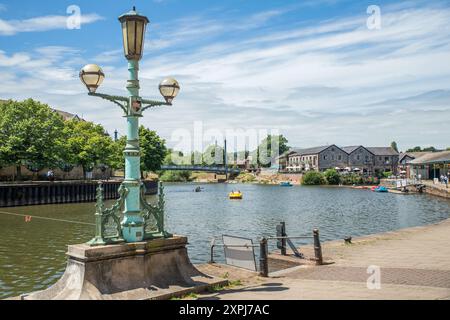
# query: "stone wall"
[[361, 158], [333, 157], [7, 174]]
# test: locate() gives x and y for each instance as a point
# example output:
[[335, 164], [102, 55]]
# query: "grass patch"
[[230, 285], [191, 295]]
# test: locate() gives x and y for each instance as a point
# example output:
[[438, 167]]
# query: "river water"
[[32, 254]]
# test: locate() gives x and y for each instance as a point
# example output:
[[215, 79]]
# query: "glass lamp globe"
[[169, 89], [92, 76]]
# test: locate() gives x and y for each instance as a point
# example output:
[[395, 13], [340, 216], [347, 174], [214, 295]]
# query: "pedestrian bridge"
[[215, 169]]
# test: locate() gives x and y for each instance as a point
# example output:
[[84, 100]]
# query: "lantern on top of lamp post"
[[140, 220]]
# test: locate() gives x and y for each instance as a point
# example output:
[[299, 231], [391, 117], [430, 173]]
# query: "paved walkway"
[[413, 263]]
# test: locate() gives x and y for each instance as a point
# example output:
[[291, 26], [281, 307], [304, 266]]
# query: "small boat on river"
[[380, 189], [235, 195], [285, 184]]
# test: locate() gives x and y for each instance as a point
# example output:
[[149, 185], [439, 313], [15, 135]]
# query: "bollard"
[[317, 247], [263, 261], [283, 240], [212, 244]]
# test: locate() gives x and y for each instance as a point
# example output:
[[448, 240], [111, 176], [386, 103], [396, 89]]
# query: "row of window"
[[312, 159]]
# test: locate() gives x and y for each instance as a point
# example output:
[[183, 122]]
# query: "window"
[[332, 157], [324, 157], [339, 157], [358, 157]]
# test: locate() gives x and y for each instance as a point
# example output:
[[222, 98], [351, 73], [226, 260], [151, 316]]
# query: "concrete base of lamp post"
[[155, 269]]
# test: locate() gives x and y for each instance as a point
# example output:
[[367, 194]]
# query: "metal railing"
[[264, 249]]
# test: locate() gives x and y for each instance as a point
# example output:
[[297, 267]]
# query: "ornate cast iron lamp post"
[[140, 219]]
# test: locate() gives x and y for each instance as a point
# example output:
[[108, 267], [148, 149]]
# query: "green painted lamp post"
[[138, 215]]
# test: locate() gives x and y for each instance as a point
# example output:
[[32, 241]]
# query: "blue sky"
[[313, 70]]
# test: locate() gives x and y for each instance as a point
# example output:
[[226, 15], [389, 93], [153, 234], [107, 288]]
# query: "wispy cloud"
[[43, 23], [332, 81]]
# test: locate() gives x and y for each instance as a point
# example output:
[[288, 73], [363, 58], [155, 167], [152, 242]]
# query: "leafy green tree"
[[394, 146], [153, 151], [419, 149], [313, 178], [87, 144], [213, 155], [332, 176], [175, 176], [269, 148], [415, 149], [31, 133]]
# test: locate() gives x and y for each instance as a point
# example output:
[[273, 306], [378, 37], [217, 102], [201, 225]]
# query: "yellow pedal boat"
[[235, 195]]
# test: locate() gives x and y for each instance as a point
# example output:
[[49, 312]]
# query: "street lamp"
[[140, 220]]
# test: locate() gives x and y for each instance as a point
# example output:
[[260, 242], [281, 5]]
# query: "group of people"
[[444, 179]]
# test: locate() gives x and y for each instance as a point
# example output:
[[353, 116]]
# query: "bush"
[[332, 176], [175, 176], [245, 177], [313, 178], [352, 178], [387, 174]]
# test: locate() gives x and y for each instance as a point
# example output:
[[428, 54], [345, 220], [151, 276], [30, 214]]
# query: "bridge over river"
[[215, 169]]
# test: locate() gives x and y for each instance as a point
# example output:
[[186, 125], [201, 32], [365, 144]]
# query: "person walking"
[[50, 175]]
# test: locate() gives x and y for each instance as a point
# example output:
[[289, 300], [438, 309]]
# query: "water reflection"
[[32, 254]]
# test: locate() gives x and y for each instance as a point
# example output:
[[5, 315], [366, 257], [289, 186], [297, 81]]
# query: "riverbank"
[[413, 263]]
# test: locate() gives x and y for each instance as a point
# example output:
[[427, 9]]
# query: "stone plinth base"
[[155, 269]]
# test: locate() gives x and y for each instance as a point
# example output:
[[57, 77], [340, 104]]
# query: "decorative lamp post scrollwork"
[[138, 215]]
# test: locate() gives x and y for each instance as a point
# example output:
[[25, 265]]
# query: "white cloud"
[[43, 23], [332, 82]]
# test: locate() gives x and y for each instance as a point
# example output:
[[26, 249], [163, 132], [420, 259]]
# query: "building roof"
[[383, 151], [66, 115], [350, 149], [313, 150], [378, 151], [413, 155], [433, 157], [291, 150]]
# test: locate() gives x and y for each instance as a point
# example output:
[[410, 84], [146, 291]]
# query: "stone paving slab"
[[402, 276], [414, 264]]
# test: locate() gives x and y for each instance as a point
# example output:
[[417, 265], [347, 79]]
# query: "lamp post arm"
[[114, 99], [153, 103]]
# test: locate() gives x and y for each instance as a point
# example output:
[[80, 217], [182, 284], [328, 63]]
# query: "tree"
[[419, 149], [332, 176], [269, 148], [394, 145], [87, 144], [213, 155], [313, 178], [31, 133], [153, 151], [415, 149]]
